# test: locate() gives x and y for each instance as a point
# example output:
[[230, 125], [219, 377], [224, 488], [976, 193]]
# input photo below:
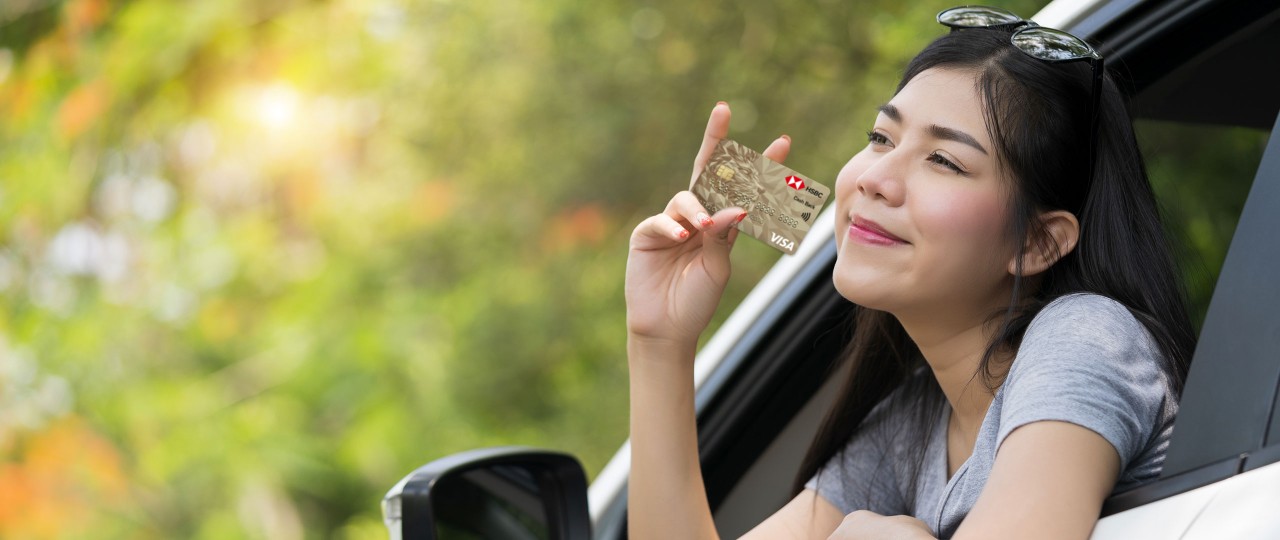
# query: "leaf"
[[81, 109]]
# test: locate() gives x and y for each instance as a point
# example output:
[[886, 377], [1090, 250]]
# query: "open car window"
[[1205, 121]]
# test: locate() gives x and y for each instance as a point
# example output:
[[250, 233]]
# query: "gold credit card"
[[780, 203]]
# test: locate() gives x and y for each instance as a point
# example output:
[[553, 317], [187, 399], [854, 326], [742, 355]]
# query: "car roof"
[[1197, 61]]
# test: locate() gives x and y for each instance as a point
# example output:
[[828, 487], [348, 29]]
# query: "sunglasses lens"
[[977, 17], [1050, 44]]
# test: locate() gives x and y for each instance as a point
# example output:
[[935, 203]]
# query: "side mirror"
[[508, 492]]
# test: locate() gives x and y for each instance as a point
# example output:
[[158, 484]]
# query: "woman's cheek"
[[970, 222]]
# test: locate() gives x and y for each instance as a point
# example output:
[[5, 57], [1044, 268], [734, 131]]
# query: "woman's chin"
[[871, 279], [869, 293]]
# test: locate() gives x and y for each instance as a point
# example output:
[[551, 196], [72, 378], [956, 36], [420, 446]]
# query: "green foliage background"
[[259, 259]]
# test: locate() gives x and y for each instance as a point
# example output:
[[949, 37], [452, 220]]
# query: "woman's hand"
[[679, 259], [868, 525]]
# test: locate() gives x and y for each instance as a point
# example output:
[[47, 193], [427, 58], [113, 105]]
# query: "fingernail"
[[705, 220], [721, 103], [741, 217], [681, 233], [787, 137]]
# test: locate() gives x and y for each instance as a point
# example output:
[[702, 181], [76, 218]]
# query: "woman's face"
[[921, 211]]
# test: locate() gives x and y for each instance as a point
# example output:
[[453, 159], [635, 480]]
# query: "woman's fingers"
[[717, 128], [677, 224], [779, 149], [718, 240], [659, 231], [685, 207]]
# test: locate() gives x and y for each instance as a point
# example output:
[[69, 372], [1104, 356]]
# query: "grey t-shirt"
[[1084, 359]]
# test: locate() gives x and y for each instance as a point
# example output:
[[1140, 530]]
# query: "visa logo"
[[782, 241]]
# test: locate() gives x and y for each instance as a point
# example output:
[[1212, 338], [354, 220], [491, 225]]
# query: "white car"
[[760, 379]]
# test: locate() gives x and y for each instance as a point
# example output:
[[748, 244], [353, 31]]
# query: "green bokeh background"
[[261, 258]]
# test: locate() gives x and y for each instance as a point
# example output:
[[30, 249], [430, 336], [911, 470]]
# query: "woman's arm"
[[807, 517], [666, 497], [1048, 481], [676, 271]]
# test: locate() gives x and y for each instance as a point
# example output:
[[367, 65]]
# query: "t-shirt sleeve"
[[1086, 360], [863, 474]]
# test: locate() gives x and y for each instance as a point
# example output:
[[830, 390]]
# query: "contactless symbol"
[[795, 182]]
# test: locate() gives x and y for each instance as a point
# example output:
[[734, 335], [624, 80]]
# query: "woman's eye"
[[875, 137], [937, 158]]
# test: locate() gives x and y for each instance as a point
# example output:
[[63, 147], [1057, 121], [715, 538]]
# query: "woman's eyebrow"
[[891, 111], [938, 132], [956, 135]]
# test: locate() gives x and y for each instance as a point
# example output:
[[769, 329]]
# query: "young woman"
[[1021, 337]]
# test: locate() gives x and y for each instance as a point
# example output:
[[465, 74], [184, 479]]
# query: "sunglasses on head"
[[1046, 44]]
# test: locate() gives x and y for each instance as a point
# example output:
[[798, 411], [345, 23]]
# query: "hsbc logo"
[[797, 183]]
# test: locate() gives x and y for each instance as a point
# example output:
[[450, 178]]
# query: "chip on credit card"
[[781, 203]]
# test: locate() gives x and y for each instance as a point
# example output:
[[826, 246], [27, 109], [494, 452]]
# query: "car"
[[766, 376]]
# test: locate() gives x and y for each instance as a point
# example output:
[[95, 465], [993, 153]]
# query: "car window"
[[1201, 174], [1209, 115]]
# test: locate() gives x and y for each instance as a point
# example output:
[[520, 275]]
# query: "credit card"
[[781, 203]]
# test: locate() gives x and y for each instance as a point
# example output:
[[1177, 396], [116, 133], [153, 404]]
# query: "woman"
[[1021, 337]]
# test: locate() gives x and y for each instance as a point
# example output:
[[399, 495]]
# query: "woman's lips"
[[870, 232]]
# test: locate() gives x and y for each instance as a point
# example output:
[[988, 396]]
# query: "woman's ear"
[[1057, 235]]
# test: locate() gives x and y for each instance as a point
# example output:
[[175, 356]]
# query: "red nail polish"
[[705, 220], [741, 217], [682, 234]]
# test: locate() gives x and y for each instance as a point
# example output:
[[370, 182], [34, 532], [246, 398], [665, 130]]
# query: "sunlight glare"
[[277, 105]]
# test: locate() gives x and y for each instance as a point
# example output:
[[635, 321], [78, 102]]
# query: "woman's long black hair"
[[1037, 114]]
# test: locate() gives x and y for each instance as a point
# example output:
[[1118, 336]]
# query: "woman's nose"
[[884, 179]]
